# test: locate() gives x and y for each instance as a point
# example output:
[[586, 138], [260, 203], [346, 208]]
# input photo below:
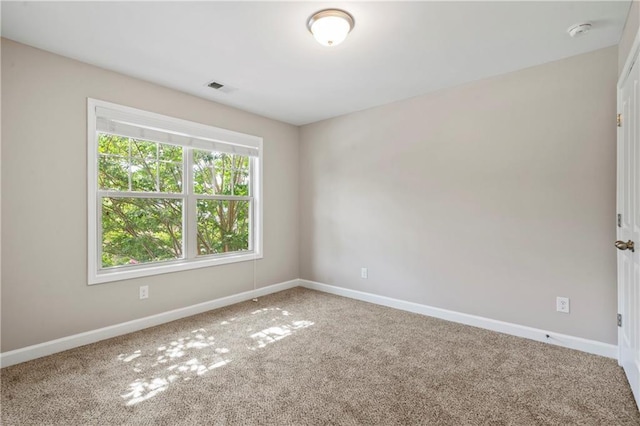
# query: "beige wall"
[[44, 277], [628, 34], [491, 198]]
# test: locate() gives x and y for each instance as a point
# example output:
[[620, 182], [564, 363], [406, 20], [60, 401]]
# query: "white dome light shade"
[[331, 26]]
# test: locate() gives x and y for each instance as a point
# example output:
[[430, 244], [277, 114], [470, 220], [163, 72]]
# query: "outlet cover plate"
[[562, 304], [144, 292]]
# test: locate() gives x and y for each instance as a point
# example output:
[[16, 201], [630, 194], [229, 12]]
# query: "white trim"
[[58, 345], [633, 52], [572, 342], [630, 366], [126, 272], [94, 250], [258, 206], [124, 116], [97, 275], [620, 308], [54, 346]]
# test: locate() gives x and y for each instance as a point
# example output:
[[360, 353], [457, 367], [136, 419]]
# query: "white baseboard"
[[58, 345], [578, 343]]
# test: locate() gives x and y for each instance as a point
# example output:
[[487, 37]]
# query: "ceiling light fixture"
[[330, 26]]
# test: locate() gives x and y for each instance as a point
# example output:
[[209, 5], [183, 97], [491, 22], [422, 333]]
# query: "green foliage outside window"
[[150, 229], [223, 226]]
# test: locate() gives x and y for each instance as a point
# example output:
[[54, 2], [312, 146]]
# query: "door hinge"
[[619, 220], [619, 320], [619, 120]]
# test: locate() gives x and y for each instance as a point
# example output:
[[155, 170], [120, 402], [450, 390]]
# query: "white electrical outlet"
[[364, 273], [562, 304], [144, 292]]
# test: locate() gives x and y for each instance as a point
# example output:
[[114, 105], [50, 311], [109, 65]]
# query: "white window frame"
[[190, 133]]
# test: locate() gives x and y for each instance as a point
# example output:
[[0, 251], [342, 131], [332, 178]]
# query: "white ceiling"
[[263, 49]]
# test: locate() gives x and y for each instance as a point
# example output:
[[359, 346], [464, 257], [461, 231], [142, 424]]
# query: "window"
[[167, 194]]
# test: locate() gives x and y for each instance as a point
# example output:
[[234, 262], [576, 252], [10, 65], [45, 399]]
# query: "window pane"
[[140, 230], [113, 145], [223, 226], [143, 175], [144, 149], [241, 180], [113, 162], [216, 173], [170, 153], [126, 164], [203, 163], [113, 172], [170, 176]]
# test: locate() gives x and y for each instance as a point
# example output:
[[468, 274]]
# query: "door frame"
[[626, 69], [632, 57], [635, 47]]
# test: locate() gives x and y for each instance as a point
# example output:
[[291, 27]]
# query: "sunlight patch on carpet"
[[273, 334], [165, 366], [144, 388]]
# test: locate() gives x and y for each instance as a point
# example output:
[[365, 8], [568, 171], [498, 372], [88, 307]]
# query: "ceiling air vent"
[[215, 85], [224, 88]]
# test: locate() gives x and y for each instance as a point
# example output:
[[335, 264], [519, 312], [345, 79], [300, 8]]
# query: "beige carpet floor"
[[301, 357]]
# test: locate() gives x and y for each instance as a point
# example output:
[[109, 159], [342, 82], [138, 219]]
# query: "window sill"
[[157, 269]]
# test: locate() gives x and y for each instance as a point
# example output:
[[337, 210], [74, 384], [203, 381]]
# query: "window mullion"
[[191, 214], [223, 197], [158, 167], [134, 194], [251, 206], [129, 166]]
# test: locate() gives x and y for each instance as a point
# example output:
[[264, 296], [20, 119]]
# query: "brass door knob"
[[621, 245]]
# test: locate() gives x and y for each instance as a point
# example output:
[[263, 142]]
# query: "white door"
[[629, 227]]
